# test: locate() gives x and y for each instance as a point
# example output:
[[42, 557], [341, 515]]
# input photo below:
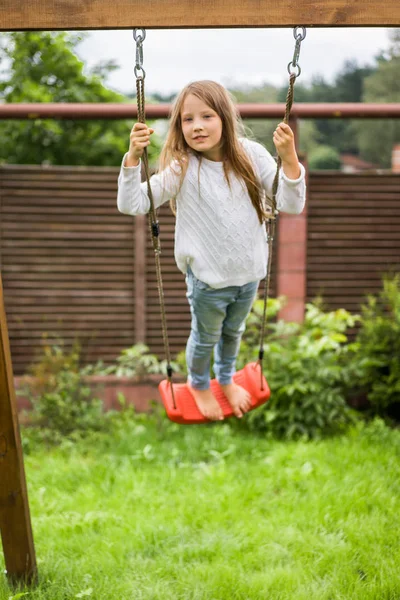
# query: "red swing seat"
[[186, 411]]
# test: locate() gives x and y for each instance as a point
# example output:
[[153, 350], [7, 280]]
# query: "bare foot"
[[207, 404], [238, 398]]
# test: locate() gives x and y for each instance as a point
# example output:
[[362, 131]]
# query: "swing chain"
[[271, 221], [299, 36], [153, 223], [139, 39]]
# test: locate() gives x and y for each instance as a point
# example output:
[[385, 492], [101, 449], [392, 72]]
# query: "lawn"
[[156, 511]]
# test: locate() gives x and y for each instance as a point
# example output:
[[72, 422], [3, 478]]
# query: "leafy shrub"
[[306, 368], [324, 157], [61, 404], [135, 361], [376, 366]]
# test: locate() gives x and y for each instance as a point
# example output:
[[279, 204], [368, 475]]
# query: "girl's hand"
[[139, 140], [284, 143]]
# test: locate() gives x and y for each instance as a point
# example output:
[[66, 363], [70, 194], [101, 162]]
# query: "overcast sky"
[[172, 58]]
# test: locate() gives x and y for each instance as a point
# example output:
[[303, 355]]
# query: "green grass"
[[155, 511]]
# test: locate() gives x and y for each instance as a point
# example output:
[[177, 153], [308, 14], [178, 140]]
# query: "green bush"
[[61, 404], [324, 157], [376, 365], [135, 361], [306, 366]]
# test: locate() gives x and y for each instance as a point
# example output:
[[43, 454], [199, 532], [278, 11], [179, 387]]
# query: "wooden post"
[[15, 524], [139, 261]]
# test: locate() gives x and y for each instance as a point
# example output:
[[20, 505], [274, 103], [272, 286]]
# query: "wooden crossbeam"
[[157, 14], [15, 524]]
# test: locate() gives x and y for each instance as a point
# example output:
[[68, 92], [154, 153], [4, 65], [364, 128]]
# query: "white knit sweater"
[[217, 230]]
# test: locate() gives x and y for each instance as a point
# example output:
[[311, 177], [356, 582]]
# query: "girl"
[[218, 183]]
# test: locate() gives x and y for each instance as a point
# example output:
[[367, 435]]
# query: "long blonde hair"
[[236, 160]]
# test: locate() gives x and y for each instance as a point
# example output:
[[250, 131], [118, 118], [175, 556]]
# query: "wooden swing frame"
[[152, 14], [15, 523]]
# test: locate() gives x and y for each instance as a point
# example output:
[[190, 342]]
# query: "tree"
[[259, 129], [350, 81], [348, 86], [324, 157], [43, 67], [376, 138]]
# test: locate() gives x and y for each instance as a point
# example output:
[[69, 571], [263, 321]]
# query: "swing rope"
[[140, 74], [273, 217]]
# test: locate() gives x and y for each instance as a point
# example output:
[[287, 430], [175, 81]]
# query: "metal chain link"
[[139, 39], [294, 63], [273, 218], [153, 223]]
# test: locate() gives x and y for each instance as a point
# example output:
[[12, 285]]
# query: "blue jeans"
[[218, 323]]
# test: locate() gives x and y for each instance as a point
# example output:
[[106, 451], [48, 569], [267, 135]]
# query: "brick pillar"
[[292, 263], [396, 158]]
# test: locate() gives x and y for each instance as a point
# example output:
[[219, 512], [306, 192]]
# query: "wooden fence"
[[67, 260], [353, 225], [72, 265]]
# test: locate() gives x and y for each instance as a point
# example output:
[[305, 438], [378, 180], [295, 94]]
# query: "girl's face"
[[201, 127]]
